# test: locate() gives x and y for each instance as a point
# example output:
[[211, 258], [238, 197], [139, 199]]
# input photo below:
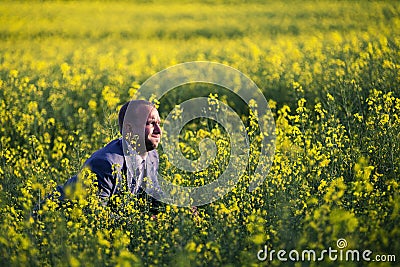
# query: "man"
[[131, 159]]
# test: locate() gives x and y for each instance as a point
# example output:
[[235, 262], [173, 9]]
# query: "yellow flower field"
[[330, 71]]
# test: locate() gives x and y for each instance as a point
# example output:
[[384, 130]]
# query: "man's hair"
[[132, 105]]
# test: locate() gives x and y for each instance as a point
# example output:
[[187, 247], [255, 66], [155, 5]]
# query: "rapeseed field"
[[330, 71]]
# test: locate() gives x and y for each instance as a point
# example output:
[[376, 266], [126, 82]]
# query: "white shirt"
[[141, 167]]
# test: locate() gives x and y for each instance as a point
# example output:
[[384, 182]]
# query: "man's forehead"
[[144, 113], [154, 114]]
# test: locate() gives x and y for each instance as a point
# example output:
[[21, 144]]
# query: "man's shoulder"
[[112, 153]]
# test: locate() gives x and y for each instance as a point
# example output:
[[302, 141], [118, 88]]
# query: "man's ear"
[[129, 134], [127, 130]]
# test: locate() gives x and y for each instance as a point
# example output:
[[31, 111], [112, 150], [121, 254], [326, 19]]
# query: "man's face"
[[152, 130], [145, 124]]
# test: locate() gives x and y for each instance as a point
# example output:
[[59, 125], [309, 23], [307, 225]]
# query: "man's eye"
[[152, 123]]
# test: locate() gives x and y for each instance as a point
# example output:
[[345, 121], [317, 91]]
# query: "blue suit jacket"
[[109, 165]]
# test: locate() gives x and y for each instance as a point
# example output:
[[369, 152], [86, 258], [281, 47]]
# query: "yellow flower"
[[92, 104]]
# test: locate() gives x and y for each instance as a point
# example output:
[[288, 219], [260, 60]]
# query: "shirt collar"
[[132, 152]]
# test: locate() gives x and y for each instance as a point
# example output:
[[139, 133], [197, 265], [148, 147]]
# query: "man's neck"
[[143, 155]]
